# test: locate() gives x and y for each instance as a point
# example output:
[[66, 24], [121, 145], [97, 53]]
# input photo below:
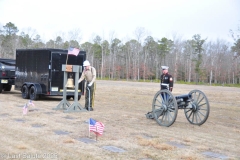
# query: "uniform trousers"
[[90, 95]]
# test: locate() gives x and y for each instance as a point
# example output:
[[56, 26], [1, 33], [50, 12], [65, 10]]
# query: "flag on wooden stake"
[[96, 127]]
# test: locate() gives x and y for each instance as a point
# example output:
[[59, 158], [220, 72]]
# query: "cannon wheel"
[[164, 107], [199, 111]]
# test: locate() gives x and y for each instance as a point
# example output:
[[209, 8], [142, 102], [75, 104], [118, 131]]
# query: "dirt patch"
[[121, 106]]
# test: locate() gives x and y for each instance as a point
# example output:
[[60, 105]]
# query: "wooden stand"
[[76, 106]]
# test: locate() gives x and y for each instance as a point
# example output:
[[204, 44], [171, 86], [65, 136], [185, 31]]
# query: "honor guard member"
[[166, 83], [166, 79], [89, 74]]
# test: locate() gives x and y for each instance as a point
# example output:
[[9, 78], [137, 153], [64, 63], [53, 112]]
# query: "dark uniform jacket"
[[166, 81]]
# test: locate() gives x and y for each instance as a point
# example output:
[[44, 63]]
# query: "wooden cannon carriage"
[[165, 107]]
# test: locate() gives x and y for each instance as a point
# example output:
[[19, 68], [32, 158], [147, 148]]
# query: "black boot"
[[90, 109]]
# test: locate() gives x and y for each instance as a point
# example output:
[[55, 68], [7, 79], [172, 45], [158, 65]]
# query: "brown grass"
[[21, 147], [68, 141], [121, 106], [154, 143]]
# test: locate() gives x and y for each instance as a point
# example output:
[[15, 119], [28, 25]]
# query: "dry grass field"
[[45, 133]]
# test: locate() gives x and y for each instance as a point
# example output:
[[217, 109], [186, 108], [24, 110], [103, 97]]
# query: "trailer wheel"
[[33, 95], [8, 88], [1, 87], [68, 97], [25, 92]]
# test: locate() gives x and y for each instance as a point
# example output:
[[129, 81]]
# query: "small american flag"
[[96, 127], [73, 51], [25, 109], [30, 103]]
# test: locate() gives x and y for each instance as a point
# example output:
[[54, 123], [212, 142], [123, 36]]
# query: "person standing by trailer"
[[89, 74], [166, 79]]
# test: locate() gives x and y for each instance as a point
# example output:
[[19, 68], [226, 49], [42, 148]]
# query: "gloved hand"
[[90, 84]]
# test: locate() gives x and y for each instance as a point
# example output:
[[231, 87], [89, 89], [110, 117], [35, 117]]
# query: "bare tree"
[[75, 34], [149, 49], [177, 49], [188, 51], [139, 33], [111, 55], [30, 32]]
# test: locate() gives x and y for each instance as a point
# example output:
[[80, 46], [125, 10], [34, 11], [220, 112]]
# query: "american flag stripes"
[[73, 51], [96, 127], [25, 109]]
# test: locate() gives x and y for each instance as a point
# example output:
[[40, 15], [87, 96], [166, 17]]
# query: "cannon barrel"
[[184, 96]]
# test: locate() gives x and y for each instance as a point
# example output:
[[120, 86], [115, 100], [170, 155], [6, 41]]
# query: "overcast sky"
[[211, 19]]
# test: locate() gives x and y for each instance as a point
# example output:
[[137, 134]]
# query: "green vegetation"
[[178, 82]]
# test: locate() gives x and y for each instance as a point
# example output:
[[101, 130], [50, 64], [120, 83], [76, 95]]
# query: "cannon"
[[165, 107]]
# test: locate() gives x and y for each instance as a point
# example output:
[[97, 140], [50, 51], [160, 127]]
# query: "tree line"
[[194, 60]]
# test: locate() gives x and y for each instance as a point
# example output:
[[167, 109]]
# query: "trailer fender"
[[38, 88]]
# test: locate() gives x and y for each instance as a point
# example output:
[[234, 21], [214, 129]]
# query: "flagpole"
[[89, 128], [96, 133], [23, 110], [66, 64], [67, 59]]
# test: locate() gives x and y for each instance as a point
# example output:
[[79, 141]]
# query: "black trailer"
[[39, 72]]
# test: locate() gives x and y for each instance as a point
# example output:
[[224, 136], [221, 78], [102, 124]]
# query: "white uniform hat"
[[86, 63], [164, 67]]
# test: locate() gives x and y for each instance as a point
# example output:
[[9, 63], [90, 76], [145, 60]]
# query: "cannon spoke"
[[188, 110], [163, 118], [191, 112], [170, 116], [171, 109], [195, 94], [167, 118], [188, 113], [158, 101], [198, 102], [196, 117], [192, 116], [203, 109], [202, 105], [199, 116], [199, 112], [158, 105]]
